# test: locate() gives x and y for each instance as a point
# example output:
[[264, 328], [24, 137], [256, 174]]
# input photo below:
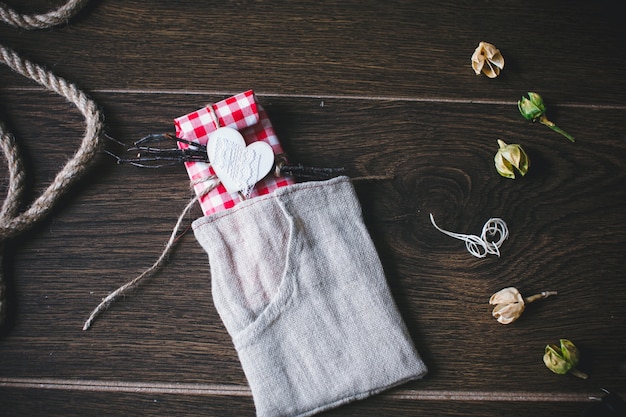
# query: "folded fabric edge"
[[365, 394]]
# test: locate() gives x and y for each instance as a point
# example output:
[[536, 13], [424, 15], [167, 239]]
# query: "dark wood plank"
[[381, 89], [391, 49], [18, 403], [117, 223]]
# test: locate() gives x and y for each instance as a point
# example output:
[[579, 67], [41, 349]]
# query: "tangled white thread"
[[479, 246]]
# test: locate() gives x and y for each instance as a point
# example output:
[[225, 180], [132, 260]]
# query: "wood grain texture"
[[69, 404], [381, 90], [391, 49]]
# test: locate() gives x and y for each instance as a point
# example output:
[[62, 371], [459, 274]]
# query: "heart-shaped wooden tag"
[[239, 167]]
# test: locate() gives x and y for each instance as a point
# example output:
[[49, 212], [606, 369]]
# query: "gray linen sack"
[[300, 288]]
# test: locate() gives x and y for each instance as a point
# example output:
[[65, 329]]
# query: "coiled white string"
[[479, 246]]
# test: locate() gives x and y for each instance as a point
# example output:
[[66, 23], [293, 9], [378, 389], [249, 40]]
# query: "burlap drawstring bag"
[[300, 288], [295, 278]]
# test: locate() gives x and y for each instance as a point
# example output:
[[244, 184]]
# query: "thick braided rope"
[[11, 204], [75, 166], [41, 21], [12, 223], [9, 148]]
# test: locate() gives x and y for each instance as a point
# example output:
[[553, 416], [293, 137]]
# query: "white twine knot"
[[479, 246]]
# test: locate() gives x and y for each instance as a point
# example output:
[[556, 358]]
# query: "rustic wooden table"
[[381, 88]]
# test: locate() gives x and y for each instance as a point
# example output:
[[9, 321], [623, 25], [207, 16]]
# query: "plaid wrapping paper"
[[240, 112]]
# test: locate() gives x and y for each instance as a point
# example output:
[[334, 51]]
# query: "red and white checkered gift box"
[[240, 112]]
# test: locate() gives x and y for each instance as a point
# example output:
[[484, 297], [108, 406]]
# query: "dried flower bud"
[[509, 303], [532, 108], [511, 158], [564, 359], [488, 60]]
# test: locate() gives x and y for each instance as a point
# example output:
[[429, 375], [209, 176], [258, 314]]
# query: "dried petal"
[[508, 313], [507, 295], [504, 167], [487, 59], [569, 351], [554, 360], [536, 100]]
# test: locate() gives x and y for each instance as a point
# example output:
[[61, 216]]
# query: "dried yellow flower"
[[509, 303], [511, 158], [488, 60]]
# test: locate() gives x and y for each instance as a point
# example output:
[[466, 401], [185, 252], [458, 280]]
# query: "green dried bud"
[[532, 108], [563, 360], [570, 352], [555, 361], [511, 158]]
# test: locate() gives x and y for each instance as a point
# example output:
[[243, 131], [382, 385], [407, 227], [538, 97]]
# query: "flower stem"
[[544, 120], [543, 294], [578, 373]]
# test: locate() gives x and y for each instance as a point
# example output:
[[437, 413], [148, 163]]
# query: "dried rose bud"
[[564, 359], [511, 158], [532, 108], [488, 60], [509, 303]]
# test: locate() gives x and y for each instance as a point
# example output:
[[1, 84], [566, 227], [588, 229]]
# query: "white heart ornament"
[[239, 167]]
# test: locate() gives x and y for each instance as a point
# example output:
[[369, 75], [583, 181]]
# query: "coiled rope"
[[13, 223]]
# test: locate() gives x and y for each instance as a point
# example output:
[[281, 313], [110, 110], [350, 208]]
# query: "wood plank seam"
[[330, 97], [212, 390]]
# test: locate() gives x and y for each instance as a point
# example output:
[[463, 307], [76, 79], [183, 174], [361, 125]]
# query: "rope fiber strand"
[[169, 246], [46, 20], [13, 223]]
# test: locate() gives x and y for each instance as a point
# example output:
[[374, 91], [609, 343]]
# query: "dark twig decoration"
[[148, 156]]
